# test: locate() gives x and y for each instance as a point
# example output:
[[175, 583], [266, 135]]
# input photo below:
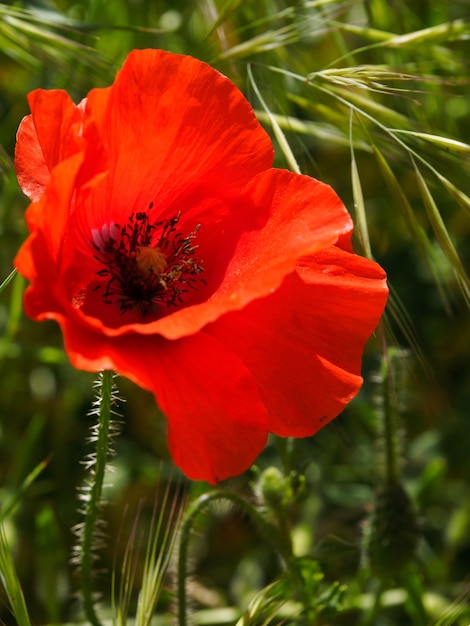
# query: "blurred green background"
[[380, 81]]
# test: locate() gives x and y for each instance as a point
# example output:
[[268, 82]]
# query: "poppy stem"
[[390, 417], [93, 492], [267, 530]]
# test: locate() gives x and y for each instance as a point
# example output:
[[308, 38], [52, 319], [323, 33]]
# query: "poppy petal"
[[290, 216], [195, 123], [217, 424], [280, 217], [50, 214], [304, 343], [45, 138]]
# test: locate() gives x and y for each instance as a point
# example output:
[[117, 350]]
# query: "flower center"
[[145, 265]]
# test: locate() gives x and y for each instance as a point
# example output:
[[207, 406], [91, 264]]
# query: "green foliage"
[[277, 602], [10, 582], [371, 96]]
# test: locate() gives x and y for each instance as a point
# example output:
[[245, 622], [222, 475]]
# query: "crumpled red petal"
[[43, 256], [173, 127], [304, 343], [45, 138], [217, 424], [279, 217], [289, 216]]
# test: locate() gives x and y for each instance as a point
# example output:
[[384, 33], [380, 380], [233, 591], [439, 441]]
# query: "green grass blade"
[[417, 232], [359, 205], [398, 312], [7, 280], [459, 196], [442, 235], [395, 307], [10, 504], [448, 144], [365, 103], [11, 583], [162, 538], [281, 138], [121, 598], [449, 31], [320, 130]]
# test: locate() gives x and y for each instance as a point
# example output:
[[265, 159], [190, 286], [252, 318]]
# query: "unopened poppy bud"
[[393, 532], [274, 487]]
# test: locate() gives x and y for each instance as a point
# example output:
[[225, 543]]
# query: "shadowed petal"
[[47, 220], [45, 138]]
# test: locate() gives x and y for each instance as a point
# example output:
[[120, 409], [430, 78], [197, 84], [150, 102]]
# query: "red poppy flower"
[[168, 249]]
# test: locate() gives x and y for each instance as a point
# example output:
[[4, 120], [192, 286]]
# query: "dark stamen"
[[146, 265]]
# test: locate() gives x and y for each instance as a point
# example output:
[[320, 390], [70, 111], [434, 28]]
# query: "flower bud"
[[393, 532], [275, 488]]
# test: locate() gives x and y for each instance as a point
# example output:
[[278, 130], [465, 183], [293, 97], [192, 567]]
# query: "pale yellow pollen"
[[150, 260], [79, 298]]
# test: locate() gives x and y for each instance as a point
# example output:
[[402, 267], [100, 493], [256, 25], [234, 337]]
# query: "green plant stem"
[[392, 466], [412, 583], [94, 497], [268, 531], [371, 618]]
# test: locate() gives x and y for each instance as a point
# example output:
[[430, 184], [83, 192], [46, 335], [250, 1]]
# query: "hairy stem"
[[390, 422], [268, 531], [94, 495]]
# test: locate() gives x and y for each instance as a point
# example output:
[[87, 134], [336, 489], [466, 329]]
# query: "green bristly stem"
[[95, 491], [392, 466], [268, 531]]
